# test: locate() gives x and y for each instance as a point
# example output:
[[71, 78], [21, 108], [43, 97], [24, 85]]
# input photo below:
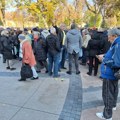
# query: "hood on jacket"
[[74, 32], [51, 36], [45, 33]]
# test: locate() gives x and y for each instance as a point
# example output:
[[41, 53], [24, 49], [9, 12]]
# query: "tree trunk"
[[2, 16]]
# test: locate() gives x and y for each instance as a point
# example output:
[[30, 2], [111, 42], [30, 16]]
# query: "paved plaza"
[[74, 97]]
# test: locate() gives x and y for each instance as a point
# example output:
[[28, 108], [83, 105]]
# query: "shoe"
[[56, 76], [38, 71], [33, 78], [8, 68], [63, 68], [77, 73], [69, 72], [114, 108], [4, 61], [89, 73], [22, 79], [59, 70], [12, 69], [50, 74], [83, 64], [95, 74], [100, 115]]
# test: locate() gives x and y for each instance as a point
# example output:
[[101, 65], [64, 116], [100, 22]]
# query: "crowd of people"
[[49, 49]]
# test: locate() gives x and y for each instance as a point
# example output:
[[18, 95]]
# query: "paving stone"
[[7, 111], [27, 114], [49, 97], [17, 93]]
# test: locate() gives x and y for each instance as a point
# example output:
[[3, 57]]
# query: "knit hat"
[[21, 37]]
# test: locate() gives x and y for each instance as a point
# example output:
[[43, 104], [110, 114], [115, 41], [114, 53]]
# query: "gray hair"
[[5, 33], [85, 31], [52, 30], [114, 31]]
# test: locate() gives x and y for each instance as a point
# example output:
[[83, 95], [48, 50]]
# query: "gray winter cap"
[[114, 31], [21, 37]]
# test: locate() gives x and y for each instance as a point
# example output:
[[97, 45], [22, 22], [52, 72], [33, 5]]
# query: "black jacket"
[[53, 44], [105, 44], [41, 50], [7, 47], [1, 46], [94, 45]]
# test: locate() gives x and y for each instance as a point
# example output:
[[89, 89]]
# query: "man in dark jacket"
[[63, 48], [41, 52], [1, 46], [53, 46], [110, 62]]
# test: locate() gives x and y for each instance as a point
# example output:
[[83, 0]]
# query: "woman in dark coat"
[[93, 48], [7, 49], [41, 52]]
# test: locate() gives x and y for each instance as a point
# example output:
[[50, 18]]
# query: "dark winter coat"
[[105, 44], [41, 50], [94, 46], [53, 44], [7, 47], [1, 46]]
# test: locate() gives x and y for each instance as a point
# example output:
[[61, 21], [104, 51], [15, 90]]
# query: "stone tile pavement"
[[92, 97], [74, 97], [43, 99]]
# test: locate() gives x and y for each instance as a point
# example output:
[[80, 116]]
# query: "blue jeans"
[[53, 59], [85, 54], [63, 56]]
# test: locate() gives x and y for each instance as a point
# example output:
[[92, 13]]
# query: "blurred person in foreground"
[[110, 62]]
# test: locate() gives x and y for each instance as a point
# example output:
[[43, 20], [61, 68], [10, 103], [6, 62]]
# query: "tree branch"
[[88, 6]]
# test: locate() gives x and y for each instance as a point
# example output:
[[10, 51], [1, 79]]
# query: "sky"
[[70, 1]]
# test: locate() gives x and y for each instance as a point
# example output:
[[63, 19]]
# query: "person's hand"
[[100, 57]]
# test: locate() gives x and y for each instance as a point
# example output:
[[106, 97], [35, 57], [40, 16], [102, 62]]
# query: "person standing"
[[73, 44], [63, 49], [93, 48], [86, 38], [53, 46], [110, 63], [7, 49], [41, 52], [26, 53]]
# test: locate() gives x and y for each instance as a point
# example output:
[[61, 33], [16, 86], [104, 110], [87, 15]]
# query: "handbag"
[[117, 74], [26, 71]]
